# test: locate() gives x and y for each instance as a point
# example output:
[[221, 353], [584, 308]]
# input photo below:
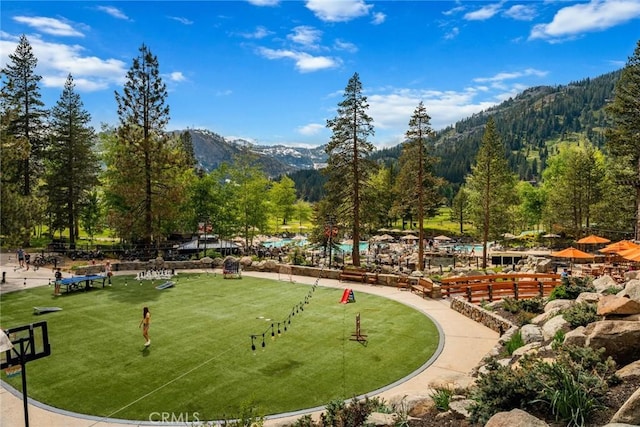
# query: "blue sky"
[[273, 71]]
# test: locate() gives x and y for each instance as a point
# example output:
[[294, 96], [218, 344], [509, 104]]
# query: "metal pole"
[[25, 397]]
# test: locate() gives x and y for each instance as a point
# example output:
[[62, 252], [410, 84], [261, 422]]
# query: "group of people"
[[145, 323], [24, 258]]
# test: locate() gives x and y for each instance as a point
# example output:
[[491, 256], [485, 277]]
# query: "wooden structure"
[[358, 335], [361, 275], [492, 287]]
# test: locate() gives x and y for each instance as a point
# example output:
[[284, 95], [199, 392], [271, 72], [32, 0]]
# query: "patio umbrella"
[[593, 240], [551, 236], [631, 254], [442, 238], [618, 246], [409, 237], [572, 253]]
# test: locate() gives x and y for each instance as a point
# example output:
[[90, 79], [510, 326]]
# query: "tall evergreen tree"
[[416, 186], [348, 166], [623, 139], [72, 165], [148, 166], [491, 186], [21, 96]]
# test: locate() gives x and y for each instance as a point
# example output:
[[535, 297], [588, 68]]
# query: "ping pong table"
[[75, 282]]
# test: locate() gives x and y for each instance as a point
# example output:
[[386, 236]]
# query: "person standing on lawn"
[[145, 323], [57, 283]]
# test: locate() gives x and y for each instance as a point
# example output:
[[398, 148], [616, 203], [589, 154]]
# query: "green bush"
[[339, 414], [514, 343], [441, 396], [571, 387], [580, 314], [612, 290], [571, 288]]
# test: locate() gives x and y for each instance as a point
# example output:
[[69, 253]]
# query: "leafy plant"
[[514, 342], [580, 314], [611, 290], [571, 288], [441, 396]]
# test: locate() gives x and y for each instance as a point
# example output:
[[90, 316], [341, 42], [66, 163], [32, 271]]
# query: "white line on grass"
[[163, 385]]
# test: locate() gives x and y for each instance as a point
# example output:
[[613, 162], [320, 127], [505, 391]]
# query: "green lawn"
[[200, 359]]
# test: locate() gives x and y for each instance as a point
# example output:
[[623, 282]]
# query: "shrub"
[[580, 314], [611, 290], [532, 305], [571, 288], [572, 387], [510, 304], [441, 396], [514, 343], [339, 414]]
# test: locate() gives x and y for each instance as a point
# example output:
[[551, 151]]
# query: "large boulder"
[[558, 304], [629, 412], [531, 333], [515, 418], [575, 337], [619, 338], [632, 290], [630, 370], [613, 305], [605, 282], [553, 325]]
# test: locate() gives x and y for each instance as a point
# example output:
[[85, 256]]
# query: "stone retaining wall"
[[480, 315]]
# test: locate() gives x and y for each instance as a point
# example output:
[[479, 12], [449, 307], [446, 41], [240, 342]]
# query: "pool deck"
[[464, 344]]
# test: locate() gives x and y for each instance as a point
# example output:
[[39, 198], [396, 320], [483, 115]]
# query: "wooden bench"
[[358, 275], [403, 283], [425, 288], [494, 287]]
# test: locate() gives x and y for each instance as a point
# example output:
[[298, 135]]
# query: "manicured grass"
[[200, 359]]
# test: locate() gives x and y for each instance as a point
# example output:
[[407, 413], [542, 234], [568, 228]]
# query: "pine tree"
[[147, 166], [72, 165], [416, 186], [491, 186], [348, 166], [623, 139], [21, 99]]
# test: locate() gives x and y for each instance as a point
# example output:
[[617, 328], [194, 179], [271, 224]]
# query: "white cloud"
[[264, 2], [259, 33], [338, 11], [597, 15], [521, 12], [346, 46], [57, 60], [484, 13], [378, 18], [500, 77], [181, 20], [454, 11], [306, 36], [51, 26], [452, 34], [311, 129], [177, 76], [304, 62], [113, 11]]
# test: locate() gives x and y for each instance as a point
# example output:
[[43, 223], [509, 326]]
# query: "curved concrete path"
[[465, 344]]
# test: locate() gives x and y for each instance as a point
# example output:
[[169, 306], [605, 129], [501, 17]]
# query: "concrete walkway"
[[465, 343]]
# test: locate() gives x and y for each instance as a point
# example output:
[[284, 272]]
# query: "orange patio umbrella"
[[631, 254], [593, 240], [572, 253], [619, 246]]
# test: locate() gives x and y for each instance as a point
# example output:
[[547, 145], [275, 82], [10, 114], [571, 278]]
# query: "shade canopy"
[[631, 254], [619, 246], [409, 237], [593, 240], [551, 236], [442, 238], [572, 253]]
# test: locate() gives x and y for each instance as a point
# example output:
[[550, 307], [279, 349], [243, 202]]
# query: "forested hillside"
[[530, 124]]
